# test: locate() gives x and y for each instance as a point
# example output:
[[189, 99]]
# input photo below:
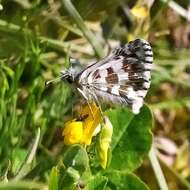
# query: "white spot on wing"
[[144, 41], [146, 85], [103, 74], [146, 46], [141, 93], [123, 76], [131, 94], [103, 88], [115, 89], [149, 59], [117, 65], [146, 75], [148, 66], [148, 53], [137, 105], [137, 101]]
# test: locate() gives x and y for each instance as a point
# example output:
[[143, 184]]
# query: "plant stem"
[[86, 32], [157, 170]]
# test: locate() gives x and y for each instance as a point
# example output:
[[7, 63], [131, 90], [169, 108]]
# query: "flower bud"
[[104, 142]]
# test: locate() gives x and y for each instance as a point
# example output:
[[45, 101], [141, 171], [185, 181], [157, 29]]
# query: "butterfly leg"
[[98, 104], [90, 109], [87, 100], [95, 99]]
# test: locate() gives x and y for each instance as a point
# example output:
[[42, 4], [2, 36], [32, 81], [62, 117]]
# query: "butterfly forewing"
[[122, 77]]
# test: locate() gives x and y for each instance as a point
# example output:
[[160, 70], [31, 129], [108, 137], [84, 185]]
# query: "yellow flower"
[[140, 11], [82, 131], [141, 18]]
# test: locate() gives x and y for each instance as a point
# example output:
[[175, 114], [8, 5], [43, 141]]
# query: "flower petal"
[[73, 132], [91, 122]]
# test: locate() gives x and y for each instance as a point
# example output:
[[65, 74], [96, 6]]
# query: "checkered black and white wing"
[[123, 77]]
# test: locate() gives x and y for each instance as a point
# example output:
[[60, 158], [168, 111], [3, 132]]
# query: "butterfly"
[[121, 78]]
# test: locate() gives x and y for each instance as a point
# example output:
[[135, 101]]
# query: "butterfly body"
[[123, 77]]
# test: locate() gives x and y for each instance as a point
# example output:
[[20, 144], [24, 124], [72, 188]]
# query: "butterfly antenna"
[[53, 81]]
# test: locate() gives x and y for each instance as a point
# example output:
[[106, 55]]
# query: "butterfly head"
[[70, 74]]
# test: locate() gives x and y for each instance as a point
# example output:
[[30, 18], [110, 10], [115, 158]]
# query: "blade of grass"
[[171, 104], [157, 169], [80, 23], [9, 27], [177, 8], [53, 43], [23, 169], [61, 46], [22, 185], [177, 175], [168, 77], [68, 26]]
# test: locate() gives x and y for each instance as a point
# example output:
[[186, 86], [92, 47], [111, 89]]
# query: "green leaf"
[[75, 164], [120, 119], [68, 178], [18, 155], [97, 183], [77, 158], [119, 180], [132, 138], [53, 179], [8, 71]]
